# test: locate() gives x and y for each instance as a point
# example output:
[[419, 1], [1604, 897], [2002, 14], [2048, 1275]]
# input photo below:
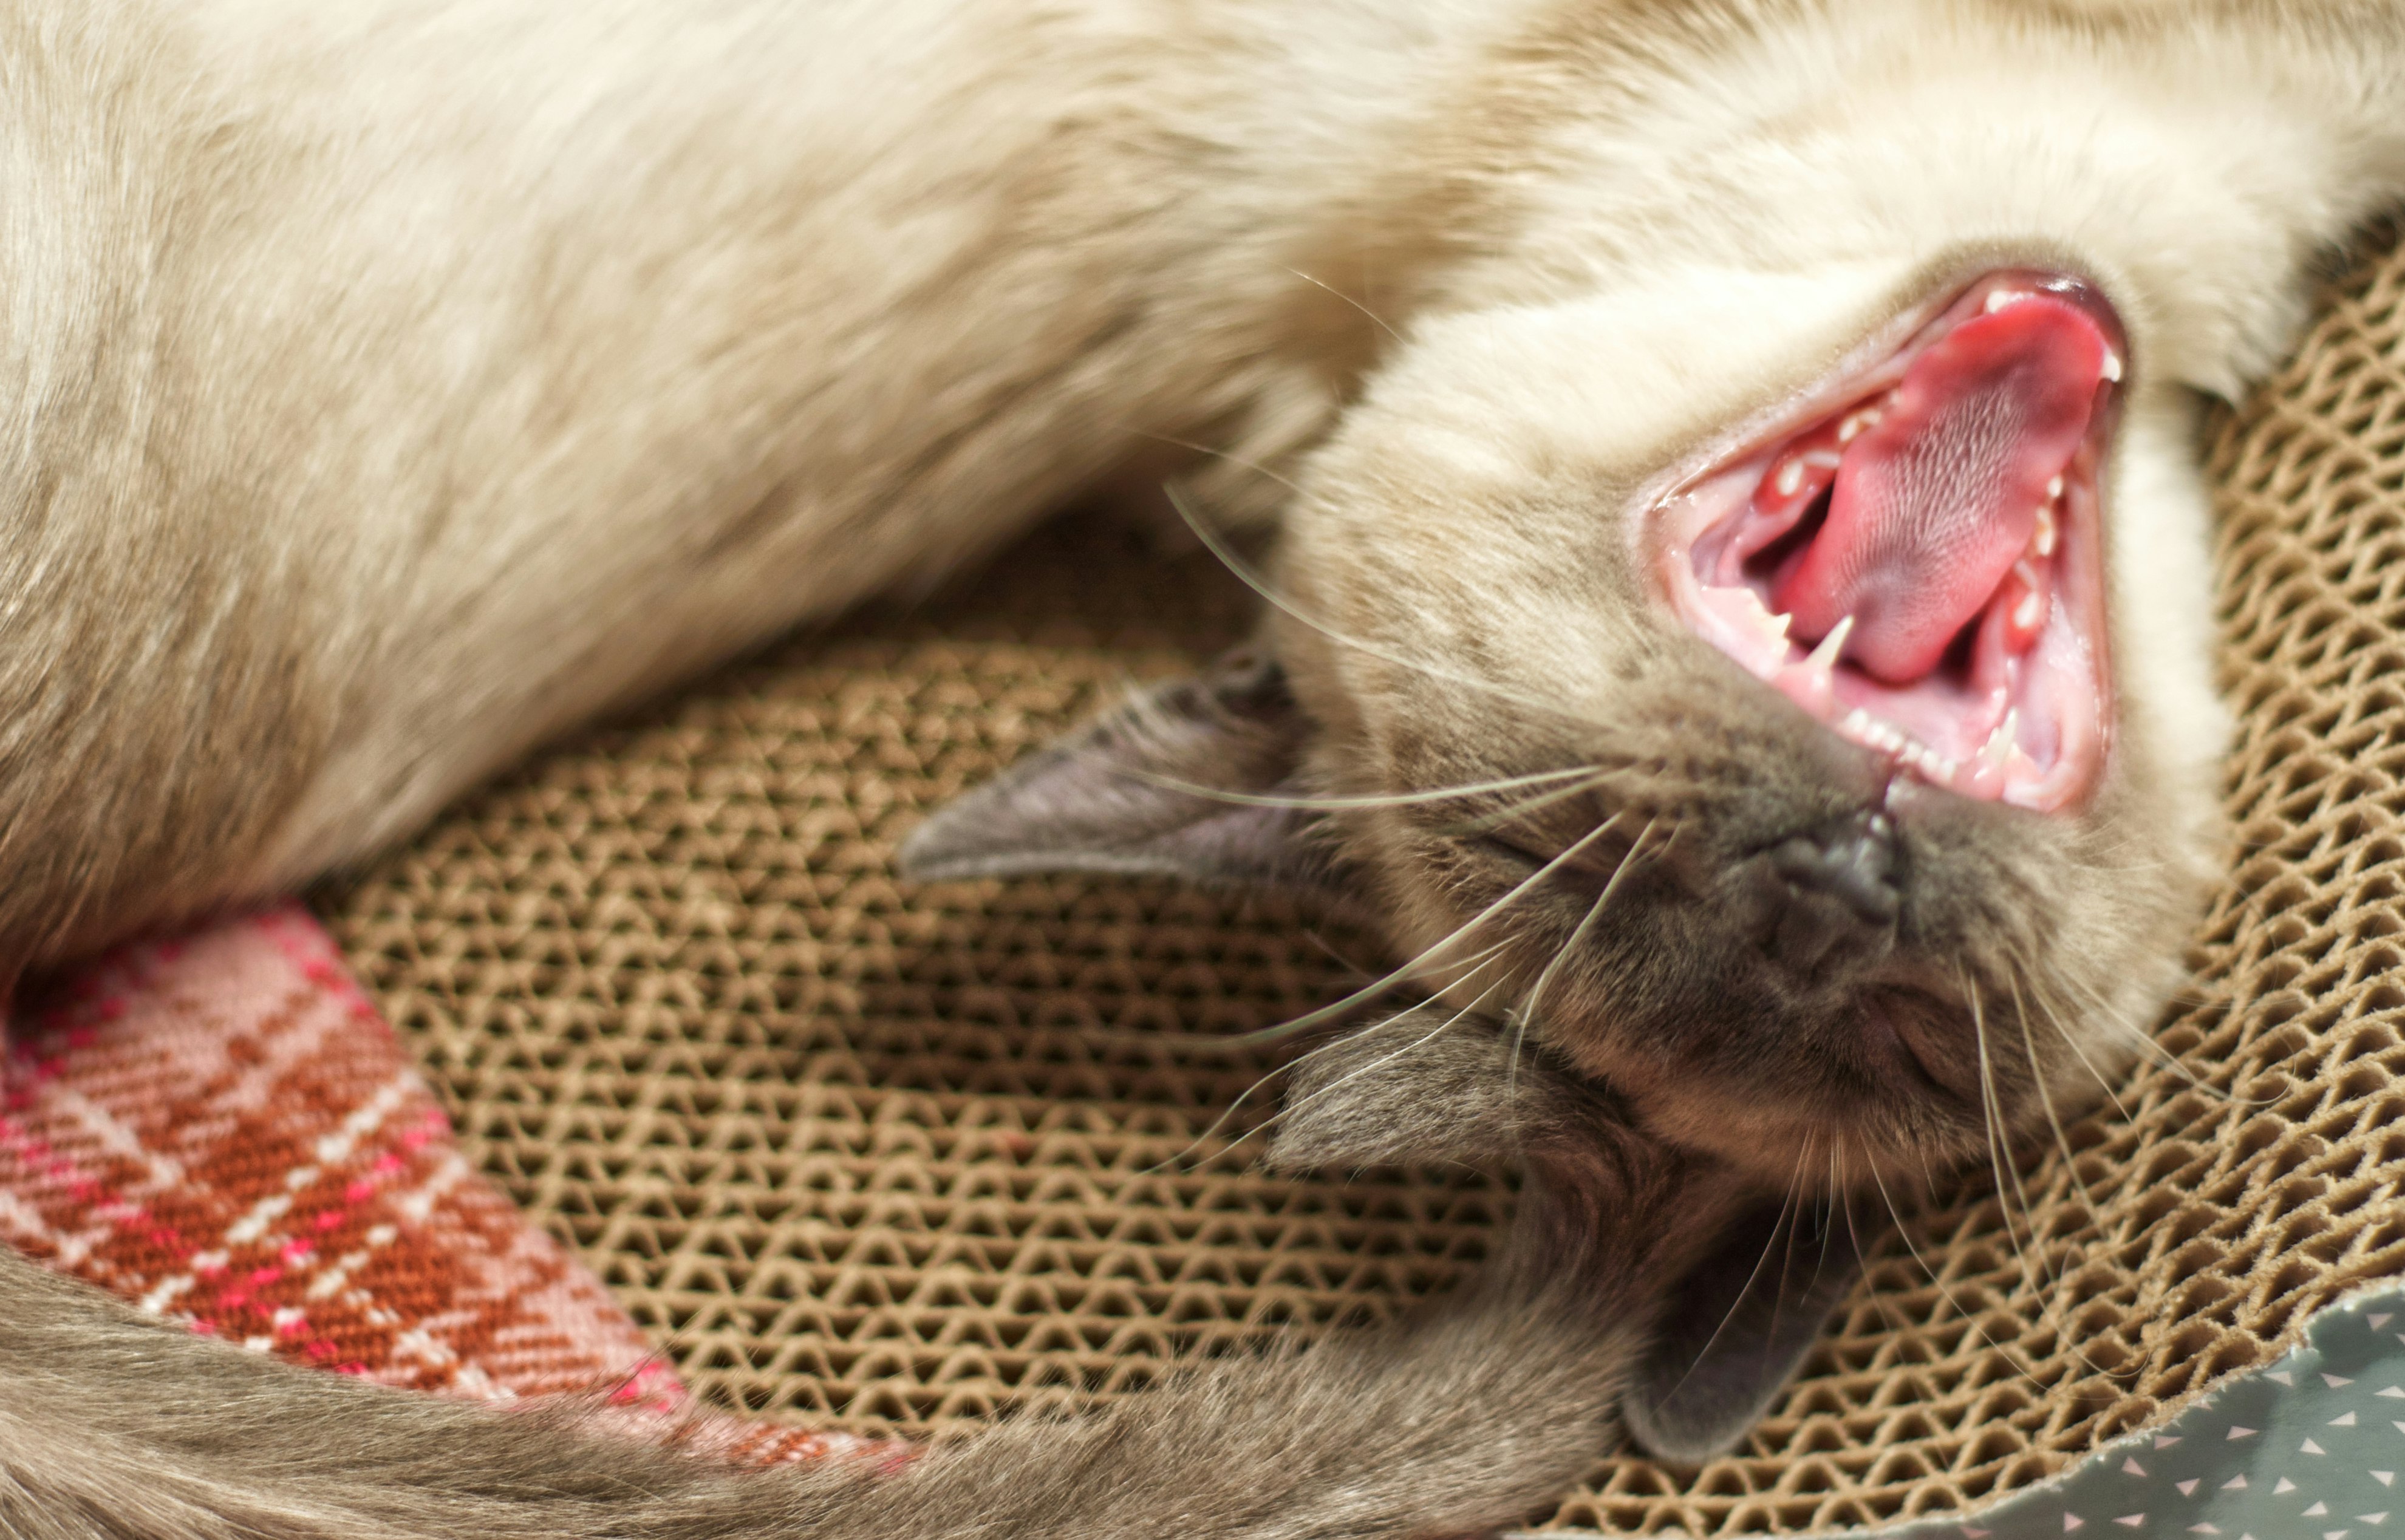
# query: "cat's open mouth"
[[1918, 562]]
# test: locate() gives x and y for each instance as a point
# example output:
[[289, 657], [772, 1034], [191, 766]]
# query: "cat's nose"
[[1840, 890], [1854, 862]]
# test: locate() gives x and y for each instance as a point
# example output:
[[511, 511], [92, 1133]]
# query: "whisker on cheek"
[[1244, 571], [2046, 1101], [1336, 803], [1530, 1002], [1598, 778], [1447, 1024], [1426, 959]]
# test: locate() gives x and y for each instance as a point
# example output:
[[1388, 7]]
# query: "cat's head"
[[1791, 719], [1796, 717]]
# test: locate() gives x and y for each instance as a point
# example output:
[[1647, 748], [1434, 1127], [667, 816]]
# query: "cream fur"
[[388, 385]]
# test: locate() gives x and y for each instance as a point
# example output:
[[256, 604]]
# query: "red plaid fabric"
[[223, 1130]]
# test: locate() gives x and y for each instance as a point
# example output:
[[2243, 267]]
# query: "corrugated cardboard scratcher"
[[876, 1157]]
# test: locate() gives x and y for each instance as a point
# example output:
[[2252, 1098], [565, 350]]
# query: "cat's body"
[[388, 385], [466, 368]]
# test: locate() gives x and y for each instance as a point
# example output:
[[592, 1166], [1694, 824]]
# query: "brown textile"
[[880, 1157]]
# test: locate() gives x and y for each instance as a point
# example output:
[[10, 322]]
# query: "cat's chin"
[[1915, 557]]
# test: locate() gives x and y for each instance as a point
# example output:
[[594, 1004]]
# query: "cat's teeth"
[[1824, 657], [1874, 733], [2054, 487], [2001, 742], [2030, 611], [1809, 681], [2023, 779], [1789, 478], [2111, 366], [1857, 422], [1933, 766], [2003, 297], [2042, 541], [1748, 631]]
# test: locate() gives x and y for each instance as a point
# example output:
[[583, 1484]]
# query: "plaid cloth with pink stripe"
[[223, 1130]]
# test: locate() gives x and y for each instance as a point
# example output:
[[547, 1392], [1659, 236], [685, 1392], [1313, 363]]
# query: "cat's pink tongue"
[[1932, 507]]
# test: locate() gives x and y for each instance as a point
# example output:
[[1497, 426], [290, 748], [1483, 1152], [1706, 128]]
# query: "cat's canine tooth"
[[2031, 611], [2054, 487], [1759, 615], [1791, 477], [2043, 542], [2003, 297], [2111, 366], [1856, 720], [1825, 655], [2001, 742], [1857, 422]]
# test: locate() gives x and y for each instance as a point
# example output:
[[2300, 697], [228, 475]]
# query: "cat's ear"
[[1736, 1318], [1194, 778], [1735, 1328]]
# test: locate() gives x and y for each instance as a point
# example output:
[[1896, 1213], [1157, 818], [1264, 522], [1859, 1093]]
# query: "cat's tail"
[[1463, 1419]]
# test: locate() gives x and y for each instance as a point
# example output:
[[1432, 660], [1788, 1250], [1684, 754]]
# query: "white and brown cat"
[[1740, 586]]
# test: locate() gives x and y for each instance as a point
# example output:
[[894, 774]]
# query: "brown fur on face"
[[2024, 941], [1463, 597], [1570, 813]]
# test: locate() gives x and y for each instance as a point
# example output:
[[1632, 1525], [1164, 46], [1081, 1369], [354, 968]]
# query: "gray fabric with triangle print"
[[2311, 1449]]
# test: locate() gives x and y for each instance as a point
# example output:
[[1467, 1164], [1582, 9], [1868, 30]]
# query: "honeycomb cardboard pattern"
[[875, 1156]]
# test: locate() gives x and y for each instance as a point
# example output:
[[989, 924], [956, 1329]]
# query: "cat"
[[1737, 612]]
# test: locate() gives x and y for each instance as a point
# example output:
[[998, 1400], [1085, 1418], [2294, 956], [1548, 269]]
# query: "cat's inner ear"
[[1194, 778], [1734, 1331]]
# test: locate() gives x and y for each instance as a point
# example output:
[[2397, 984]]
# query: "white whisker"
[[1231, 457], [1427, 958], [1319, 803], [1230, 559], [1529, 1003], [1375, 319], [1445, 1026], [1789, 1200], [1991, 1118], [1221, 1120]]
